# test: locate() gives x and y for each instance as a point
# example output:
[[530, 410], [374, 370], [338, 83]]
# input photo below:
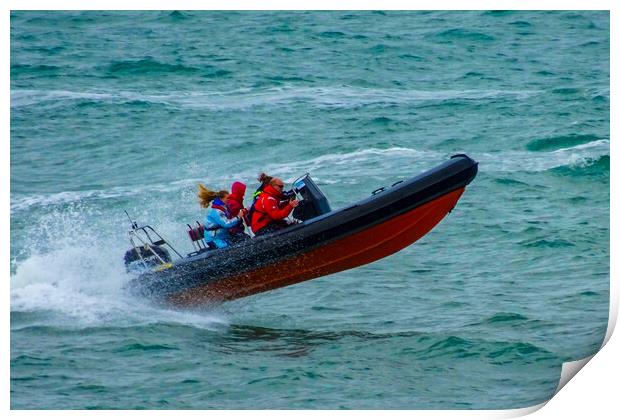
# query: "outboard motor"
[[314, 202]]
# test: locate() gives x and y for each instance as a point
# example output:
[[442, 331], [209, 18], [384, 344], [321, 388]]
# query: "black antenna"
[[134, 225]]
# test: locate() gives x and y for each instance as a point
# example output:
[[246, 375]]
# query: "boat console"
[[313, 203]]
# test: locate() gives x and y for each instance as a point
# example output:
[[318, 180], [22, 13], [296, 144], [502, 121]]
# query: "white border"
[[599, 382]]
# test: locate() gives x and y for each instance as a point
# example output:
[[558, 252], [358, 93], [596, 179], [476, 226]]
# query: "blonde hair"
[[205, 195]]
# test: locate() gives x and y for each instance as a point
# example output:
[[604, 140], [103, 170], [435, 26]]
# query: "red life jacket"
[[267, 209], [250, 215]]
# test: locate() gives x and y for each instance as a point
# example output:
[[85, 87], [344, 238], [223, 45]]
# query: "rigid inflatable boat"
[[322, 242]]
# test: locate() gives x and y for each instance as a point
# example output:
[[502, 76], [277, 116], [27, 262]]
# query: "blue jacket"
[[217, 217]]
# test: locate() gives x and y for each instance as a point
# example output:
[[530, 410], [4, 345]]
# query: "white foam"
[[518, 161], [25, 202], [25, 98], [81, 287], [321, 96]]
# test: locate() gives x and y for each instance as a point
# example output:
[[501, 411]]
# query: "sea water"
[[115, 111]]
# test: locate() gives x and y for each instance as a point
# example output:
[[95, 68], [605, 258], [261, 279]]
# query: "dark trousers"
[[273, 227], [234, 238]]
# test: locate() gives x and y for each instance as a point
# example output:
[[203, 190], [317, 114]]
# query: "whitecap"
[[517, 161], [319, 96]]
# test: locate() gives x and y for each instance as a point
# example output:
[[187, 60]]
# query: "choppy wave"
[[365, 162], [327, 97], [580, 156], [497, 353], [503, 317], [22, 69], [176, 16], [498, 13], [595, 166], [348, 167], [559, 142], [148, 66], [456, 34], [546, 243]]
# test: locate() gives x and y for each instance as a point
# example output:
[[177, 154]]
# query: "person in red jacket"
[[269, 209], [236, 208]]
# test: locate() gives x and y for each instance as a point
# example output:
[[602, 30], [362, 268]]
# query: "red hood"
[[237, 191], [269, 189]]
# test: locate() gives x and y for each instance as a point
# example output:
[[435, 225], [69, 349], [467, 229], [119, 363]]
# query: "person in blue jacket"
[[218, 220]]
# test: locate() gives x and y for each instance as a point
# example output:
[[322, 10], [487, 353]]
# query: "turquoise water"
[[114, 111]]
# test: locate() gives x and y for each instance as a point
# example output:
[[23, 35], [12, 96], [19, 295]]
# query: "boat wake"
[[73, 288]]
